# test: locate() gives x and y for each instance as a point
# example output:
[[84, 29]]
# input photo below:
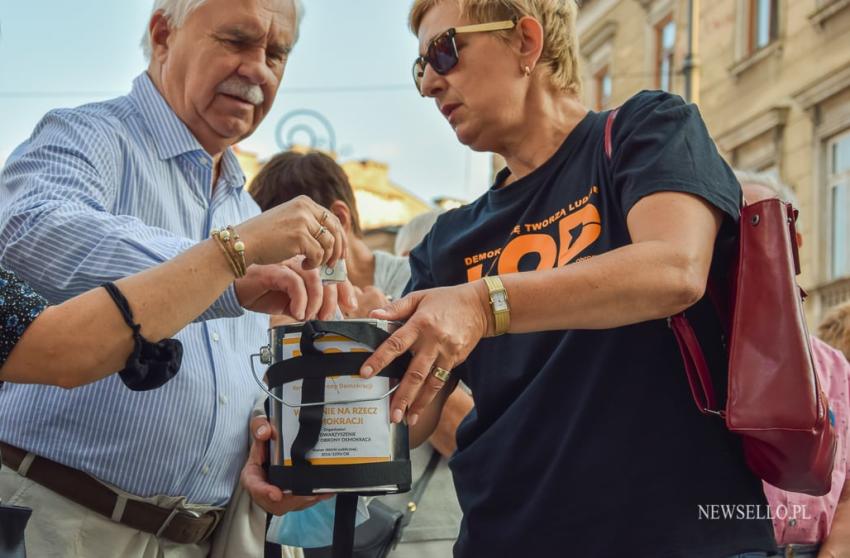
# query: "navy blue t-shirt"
[[588, 442]]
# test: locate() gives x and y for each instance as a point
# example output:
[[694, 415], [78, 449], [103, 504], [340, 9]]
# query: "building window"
[[838, 196], [665, 41], [603, 86], [762, 29]]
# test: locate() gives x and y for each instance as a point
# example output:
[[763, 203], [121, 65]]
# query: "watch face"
[[500, 301]]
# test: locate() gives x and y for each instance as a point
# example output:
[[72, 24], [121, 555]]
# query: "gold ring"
[[440, 373], [324, 217], [320, 232]]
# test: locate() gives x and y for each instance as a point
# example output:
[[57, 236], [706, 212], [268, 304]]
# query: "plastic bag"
[[312, 527]]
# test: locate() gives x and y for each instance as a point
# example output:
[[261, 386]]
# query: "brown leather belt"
[[180, 526]]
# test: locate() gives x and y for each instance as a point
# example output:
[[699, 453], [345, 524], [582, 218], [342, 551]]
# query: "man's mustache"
[[237, 87]]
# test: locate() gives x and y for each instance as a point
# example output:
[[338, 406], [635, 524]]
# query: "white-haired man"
[[106, 190]]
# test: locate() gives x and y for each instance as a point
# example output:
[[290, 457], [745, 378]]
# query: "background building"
[[772, 80]]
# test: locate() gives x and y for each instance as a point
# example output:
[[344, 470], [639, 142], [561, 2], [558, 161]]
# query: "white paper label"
[[351, 432]]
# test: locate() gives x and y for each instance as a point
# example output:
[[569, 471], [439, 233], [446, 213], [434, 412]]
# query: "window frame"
[[661, 52], [832, 182], [753, 20]]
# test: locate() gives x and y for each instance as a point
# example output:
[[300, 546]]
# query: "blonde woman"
[[549, 296]]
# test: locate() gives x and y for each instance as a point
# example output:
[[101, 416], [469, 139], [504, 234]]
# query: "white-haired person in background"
[[107, 190], [822, 529], [414, 231]]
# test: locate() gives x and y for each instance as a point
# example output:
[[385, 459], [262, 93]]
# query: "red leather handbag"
[[774, 399]]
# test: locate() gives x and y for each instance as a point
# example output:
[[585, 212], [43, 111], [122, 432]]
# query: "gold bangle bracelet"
[[222, 239]]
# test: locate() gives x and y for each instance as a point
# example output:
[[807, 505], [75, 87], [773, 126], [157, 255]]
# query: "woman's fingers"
[[413, 381], [438, 374], [395, 345]]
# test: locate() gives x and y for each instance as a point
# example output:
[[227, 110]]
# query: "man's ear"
[[159, 30], [343, 213]]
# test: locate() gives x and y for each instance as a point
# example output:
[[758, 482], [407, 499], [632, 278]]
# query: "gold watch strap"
[[502, 317]]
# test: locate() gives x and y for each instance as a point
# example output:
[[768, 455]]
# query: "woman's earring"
[[526, 70]]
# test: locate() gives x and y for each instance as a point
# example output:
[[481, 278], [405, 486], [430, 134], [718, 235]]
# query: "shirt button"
[[222, 399], [215, 337], [792, 522], [205, 470]]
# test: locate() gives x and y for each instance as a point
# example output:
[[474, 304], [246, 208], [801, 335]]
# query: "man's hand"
[[368, 299], [287, 288], [253, 477]]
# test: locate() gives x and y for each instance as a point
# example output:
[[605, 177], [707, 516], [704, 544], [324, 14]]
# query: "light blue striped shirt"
[[97, 193]]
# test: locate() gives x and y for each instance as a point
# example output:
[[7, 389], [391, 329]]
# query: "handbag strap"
[[418, 490], [696, 367]]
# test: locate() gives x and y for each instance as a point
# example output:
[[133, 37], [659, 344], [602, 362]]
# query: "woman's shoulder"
[[647, 102]]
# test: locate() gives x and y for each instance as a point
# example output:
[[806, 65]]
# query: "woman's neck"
[[548, 120]]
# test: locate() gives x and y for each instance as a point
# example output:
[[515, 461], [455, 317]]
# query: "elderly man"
[[108, 189]]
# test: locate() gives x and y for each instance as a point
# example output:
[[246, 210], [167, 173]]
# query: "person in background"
[[377, 276], [821, 526], [412, 232], [109, 189], [835, 328]]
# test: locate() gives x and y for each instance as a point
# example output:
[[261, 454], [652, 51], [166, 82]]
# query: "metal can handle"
[[266, 354]]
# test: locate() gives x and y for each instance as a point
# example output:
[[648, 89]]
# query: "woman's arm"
[[661, 273]]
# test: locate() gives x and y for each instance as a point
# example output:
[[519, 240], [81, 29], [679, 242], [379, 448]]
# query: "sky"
[[351, 66]]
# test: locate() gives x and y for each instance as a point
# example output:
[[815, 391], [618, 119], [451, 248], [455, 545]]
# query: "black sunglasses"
[[441, 53]]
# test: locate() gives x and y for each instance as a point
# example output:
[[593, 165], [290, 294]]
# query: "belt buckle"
[[216, 519], [167, 522]]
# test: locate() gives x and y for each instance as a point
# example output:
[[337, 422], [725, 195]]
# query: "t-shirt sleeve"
[[19, 306], [660, 143]]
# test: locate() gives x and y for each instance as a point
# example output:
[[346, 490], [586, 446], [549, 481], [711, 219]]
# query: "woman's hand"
[[297, 227], [443, 326]]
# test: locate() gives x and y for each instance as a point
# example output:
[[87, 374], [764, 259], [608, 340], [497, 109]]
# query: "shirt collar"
[[231, 170], [170, 134]]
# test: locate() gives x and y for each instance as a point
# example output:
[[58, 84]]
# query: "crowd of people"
[[139, 271]]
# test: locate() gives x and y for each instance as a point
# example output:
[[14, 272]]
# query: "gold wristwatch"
[[499, 304]]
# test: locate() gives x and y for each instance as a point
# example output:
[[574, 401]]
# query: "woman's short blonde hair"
[[558, 18], [835, 329]]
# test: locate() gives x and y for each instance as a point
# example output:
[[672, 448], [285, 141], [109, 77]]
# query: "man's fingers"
[[261, 429], [312, 283], [285, 280], [389, 350], [329, 305], [346, 296], [313, 253]]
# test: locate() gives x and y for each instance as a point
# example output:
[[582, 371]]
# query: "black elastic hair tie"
[[150, 365]]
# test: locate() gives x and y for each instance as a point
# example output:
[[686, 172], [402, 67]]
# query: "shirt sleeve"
[[19, 307], [58, 231], [660, 143]]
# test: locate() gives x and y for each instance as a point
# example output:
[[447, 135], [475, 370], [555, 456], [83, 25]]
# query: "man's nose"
[[254, 67]]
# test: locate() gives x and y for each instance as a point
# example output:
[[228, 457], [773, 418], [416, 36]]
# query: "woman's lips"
[[449, 109]]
